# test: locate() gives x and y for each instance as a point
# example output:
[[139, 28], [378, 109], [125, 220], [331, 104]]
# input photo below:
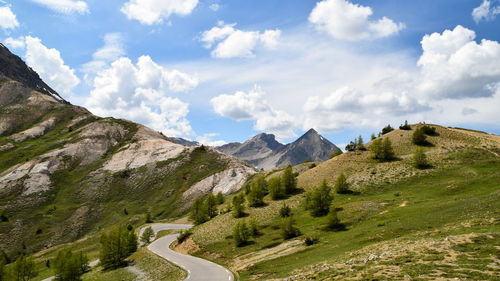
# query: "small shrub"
[[310, 240], [318, 200], [341, 185], [238, 207], [241, 233], [387, 129], [4, 217], [428, 130], [254, 228], [219, 198], [149, 219], [307, 160], [419, 137], [288, 229], [332, 220], [405, 126], [313, 165], [275, 188], [147, 235], [285, 211], [373, 136], [420, 159], [183, 235]]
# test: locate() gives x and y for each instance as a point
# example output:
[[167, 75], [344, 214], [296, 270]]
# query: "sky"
[[220, 71]]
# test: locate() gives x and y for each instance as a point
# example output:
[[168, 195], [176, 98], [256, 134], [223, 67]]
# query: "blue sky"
[[221, 71]]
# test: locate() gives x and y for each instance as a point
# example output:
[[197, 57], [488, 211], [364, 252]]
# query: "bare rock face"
[[37, 131], [149, 147]]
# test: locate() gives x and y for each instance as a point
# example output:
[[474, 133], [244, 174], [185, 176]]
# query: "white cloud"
[[50, 66], [65, 6], [237, 43], [207, 139], [485, 12], [347, 21], [8, 19], [214, 7], [454, 66], [14, 43], [348, 106], [253, 106], [139, 93], [112, 50], [151, 12]]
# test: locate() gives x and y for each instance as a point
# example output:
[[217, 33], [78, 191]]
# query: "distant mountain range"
[[264, 152]]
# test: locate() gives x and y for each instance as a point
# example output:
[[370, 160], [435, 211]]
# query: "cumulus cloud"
[[151, 12], [8, 19], [348, 106], [112, 50], [139, 92], [347, 21], [253, 106], [50, 66], [14, 43], [453, 65], [65, 6], [485, 11], [232, 42]]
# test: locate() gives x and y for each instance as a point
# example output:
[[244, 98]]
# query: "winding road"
[[198, 269]]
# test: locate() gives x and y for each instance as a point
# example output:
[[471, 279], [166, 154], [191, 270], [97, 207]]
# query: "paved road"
[[198, 269]]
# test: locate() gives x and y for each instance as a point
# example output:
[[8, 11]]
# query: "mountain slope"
[[436, 223], [263, 151], [65, 172]]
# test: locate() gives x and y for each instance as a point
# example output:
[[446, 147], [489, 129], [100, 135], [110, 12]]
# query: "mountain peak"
[[14, 68]]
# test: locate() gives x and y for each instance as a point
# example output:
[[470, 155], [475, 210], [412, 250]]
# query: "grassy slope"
[[460, 195]]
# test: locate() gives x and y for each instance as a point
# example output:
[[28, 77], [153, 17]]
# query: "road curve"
[[198, 269]]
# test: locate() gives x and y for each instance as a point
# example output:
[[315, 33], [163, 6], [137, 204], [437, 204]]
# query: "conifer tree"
[[341, 185], [318, 201], [275, 188], [219, 198], [256, 196], [211, 206], [241, 233], [288, 180], [238, 207]]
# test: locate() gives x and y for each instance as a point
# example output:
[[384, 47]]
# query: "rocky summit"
[[264, 152]]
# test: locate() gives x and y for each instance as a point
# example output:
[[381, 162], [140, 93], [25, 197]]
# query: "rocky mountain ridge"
[[264, 152]]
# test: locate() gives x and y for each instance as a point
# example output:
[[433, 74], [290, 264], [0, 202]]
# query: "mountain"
[[264, 152], [185, 142], [65, 172]]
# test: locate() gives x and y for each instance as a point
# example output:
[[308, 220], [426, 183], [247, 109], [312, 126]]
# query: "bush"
[[419, 137], [405, 126], [69, 266], [310, 240], [147, 235], [336, 153], [372, 137], [275, 188], [254, 228], [285, 211], [288, 229], [319, 200], [382, 150], [420, 159], [428, 130], [387, 129], [332, 220], [241, 233], [238, 208], [219, 198], [183, 235], [288, 180], [341, 185], [313, 165]]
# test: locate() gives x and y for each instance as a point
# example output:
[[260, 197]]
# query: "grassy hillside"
[[405, 223]]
